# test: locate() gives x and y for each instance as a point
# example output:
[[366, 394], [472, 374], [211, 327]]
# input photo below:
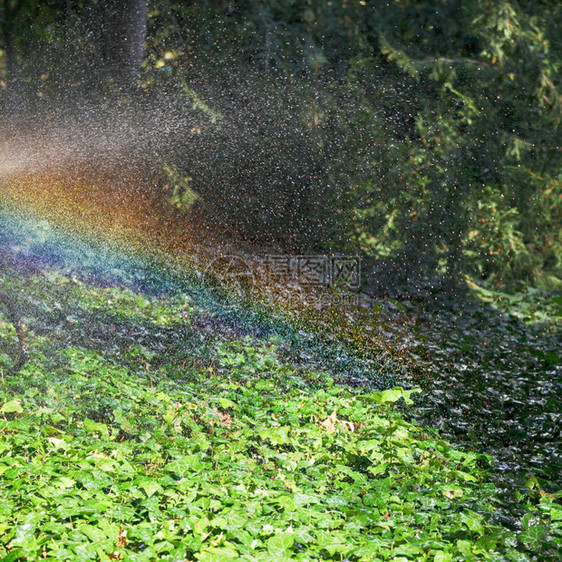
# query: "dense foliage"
[[427, 133], [185, 443], [423, 136]]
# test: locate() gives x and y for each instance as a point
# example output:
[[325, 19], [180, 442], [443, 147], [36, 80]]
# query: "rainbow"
[[123, 232]]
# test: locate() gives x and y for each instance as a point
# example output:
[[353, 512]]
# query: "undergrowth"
[[130, 435]]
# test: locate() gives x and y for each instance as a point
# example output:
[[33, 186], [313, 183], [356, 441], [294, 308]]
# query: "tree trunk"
[[123, 36], [10, 53]]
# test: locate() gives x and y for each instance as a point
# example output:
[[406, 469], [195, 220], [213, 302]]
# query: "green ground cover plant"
[[126, 447]]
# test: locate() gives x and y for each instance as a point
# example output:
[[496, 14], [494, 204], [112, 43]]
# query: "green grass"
[[132, 435]]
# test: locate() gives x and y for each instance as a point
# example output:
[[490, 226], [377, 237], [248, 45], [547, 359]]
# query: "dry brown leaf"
[[224, 418], [330, 422], [122, 537]]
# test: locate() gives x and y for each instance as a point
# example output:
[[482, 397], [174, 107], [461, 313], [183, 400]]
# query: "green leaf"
[[472, 520], [95, 427], [12, 406], [442, 556], [534, 536], [279, 543], [392, 395], [150, 487]]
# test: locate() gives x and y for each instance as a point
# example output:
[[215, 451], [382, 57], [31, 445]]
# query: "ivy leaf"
[[12, 406], [150, 487], [57, 443], [472, 520], [533, 537], [279, 543], [442, 556]]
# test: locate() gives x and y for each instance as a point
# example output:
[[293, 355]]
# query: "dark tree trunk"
[[10, 50], [122, 38]]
